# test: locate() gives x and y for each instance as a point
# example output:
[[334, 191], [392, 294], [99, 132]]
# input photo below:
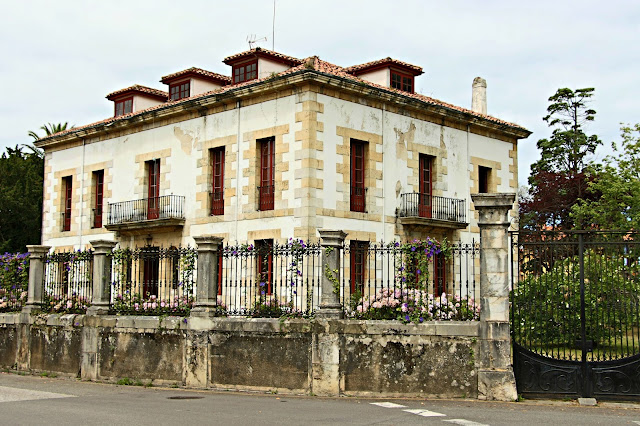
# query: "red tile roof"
[[197, 72], [359, 69], [258, 51], [143, 90], [312, 63]]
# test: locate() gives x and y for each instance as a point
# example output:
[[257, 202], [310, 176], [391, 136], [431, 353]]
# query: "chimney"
[[479, 95]]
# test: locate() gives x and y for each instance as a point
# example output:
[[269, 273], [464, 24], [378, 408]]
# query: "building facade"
[[281, 148]]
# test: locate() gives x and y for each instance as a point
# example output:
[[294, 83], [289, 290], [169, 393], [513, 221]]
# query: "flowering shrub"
[[152, 305], [68, 304], [414, 305], [417, 255], [14, 280], [273, 308]]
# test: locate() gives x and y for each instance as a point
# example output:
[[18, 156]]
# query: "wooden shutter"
[[217, 190], [357, 176], [153, 211], [425, 200], [99, 192], [357, 260], [265, 265], [68, 194], [439, 275], [267, 169]]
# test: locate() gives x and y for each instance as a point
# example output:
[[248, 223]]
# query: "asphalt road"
[[30, 400]]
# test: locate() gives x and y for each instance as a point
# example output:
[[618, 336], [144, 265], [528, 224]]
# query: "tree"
[[617, 205], [50, 129], [21, 180], [559, 179]]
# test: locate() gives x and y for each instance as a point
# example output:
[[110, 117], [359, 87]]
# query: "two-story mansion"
[[281, 148]]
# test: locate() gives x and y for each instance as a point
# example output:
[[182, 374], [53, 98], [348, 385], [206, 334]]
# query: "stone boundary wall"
[[315, 357]]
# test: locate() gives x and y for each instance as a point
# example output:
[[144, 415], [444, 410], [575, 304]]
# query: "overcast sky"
[[60, 59]]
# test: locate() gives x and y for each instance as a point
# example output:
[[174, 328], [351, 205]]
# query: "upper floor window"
[[267, 173], [245, 72], [153, 186], [98, 190], [179, 91], [357, 176], [67, 193], [484, 177], [424, 204], [402, 81], [124, 106], [217, 174]]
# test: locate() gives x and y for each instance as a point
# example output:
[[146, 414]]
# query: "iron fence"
[[68, 285], [153, 280], [268, 279], [432, 207], [576, 295], [417, 281], [165, 207]]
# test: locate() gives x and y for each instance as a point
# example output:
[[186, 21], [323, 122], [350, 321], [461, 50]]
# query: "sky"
[[60, 59]]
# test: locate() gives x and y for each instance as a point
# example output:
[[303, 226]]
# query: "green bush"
[[546, 307], [14, 281]]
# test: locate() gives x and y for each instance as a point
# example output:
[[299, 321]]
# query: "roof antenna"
[[251, 39]]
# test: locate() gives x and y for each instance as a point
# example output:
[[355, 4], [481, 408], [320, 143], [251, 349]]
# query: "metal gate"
[[575, 314]]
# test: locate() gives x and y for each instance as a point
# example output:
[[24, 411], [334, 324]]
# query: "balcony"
[[138, 217], [431, 210]]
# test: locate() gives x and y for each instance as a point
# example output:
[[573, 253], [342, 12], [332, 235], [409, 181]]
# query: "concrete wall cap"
[[493, 200]]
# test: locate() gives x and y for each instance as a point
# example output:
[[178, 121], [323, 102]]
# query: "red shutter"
[[357, 176], [357, 257], [265, 266], [99, 190], [217, 190], [68, 193], [153, 210], [425, 201], [267, 166]]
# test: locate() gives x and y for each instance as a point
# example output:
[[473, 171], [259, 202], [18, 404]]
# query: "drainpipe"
[[81, 195], [238, 170]]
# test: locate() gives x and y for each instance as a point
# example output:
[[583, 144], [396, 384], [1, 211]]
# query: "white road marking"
[[8, 394], [425, 413], [464, 422], [388, 405]]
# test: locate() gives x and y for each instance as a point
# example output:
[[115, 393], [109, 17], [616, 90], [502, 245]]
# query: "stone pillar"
[[495, 374], [35, 290], [101, 277], [207, 279], [479, 95], [332, 242]]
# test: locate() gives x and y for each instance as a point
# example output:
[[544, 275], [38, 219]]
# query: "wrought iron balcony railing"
[[433, 207], [154, 208]]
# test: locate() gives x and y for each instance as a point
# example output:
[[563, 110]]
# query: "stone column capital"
[[208, 243], [102, 246], [493, 209], [38, 251], [332, 238]]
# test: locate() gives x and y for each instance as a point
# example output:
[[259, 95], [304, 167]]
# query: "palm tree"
[[50, 129]]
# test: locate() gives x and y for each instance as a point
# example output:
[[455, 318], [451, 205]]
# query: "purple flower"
[[407, 318], [420, 319], [413, 249]]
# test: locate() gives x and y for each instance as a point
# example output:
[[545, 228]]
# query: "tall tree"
[[559, 179], [21, 179], [617, 205], [50, 129]]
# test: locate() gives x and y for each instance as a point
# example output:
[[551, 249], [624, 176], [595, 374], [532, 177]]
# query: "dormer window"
[[402, 81], [124, 106], [179, 90], [245, 72]]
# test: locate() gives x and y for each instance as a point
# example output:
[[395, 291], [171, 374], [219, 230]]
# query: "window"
[[124, 106], [217, 174], [439, 274], [173, 259], [402, 81], [357, 176], [245, 72], [484, 176], [267, 175], [67, 192], [98, 188], [264, 248], [179, 91], [153, 205], [424, 197], [358, 256]]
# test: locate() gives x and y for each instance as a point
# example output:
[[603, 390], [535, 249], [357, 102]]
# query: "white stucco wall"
[[266, 67], [381, 77], [143, 102], [199, 86]]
